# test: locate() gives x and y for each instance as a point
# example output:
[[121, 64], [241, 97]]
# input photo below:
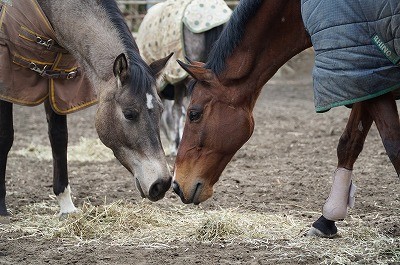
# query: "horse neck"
[[274, 35], [88, 33]]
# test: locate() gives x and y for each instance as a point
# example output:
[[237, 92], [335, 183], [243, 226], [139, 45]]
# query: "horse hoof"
[[5, 219], [64, 216], [323, 228], [316, 232]]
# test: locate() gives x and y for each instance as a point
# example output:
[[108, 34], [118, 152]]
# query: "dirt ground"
[[284, 168]]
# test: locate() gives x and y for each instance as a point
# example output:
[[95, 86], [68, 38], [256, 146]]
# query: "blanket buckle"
[[48, 44], [37, 69], [72, 74]]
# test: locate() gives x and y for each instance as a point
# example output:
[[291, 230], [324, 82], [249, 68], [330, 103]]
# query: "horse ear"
[[196, 70], [157, 66], [121, 67]]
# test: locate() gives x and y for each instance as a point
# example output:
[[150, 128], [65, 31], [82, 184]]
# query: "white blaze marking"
[[149, 101], [65, 201]]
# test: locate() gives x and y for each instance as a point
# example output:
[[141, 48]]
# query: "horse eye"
[[131, 115], [194, 115]]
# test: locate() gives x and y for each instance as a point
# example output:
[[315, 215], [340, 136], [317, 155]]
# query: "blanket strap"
[[385, 49], [48, 43], [45, 71]]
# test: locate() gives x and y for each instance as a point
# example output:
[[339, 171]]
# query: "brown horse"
[[260, 37]]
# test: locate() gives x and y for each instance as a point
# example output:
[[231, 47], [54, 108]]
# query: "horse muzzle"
[[198, 193], [157, 189]]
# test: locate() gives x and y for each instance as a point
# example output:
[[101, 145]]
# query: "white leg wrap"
[[341, 196], [65, 202]]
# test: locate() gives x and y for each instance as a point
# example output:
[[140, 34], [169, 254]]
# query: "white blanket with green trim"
[[161, 31]]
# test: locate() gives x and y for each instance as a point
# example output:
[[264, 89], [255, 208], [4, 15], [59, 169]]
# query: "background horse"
[[260, 37], [129, 110], [188, 29]]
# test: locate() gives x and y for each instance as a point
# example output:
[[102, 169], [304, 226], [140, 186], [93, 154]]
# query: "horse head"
[[217, 125], [127, 121]]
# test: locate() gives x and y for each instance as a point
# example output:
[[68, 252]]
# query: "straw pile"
[[160, 226], [87, 150]]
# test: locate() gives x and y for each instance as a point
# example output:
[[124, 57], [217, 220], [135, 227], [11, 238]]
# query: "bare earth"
[[285, 168]]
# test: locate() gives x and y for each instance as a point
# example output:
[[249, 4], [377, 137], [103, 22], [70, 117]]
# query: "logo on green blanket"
[[385, 49], [6, 2]]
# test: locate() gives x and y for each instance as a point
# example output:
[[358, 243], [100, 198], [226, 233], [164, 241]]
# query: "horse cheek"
[[104, 127]]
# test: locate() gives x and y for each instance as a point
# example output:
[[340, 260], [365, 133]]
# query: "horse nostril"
[[176, 188], [159, 188]]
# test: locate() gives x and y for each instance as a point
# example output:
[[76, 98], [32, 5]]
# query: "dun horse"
[[260, 37], [129, 109], [188, 28]]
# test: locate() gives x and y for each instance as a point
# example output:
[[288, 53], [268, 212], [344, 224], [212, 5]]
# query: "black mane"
[[141, 74], [232, 34]]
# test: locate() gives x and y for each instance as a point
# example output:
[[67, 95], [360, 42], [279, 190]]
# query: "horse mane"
[[211, 36], [231, 35], [140, 73]]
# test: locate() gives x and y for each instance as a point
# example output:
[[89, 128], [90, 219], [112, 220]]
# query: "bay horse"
[[170, 27], [260, 37], [129, 108]]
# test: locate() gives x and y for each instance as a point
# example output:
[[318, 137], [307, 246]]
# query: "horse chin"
[[202, 195], [197, 194]]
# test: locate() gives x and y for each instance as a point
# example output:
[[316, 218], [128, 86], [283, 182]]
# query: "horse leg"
[[177, 113], [167, 125], [350, 146], [6, 141], [386, 117], [58, 135]]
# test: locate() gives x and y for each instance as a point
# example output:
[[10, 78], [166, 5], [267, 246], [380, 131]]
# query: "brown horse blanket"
[[161, 31], [33, 67]]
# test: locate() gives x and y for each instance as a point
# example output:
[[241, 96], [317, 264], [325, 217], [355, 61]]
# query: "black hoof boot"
[[323, 228]]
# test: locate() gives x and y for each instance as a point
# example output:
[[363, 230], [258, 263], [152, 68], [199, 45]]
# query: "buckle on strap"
[[54, 74], [48, 44], [72, 74], [34, 67], [46, 73]]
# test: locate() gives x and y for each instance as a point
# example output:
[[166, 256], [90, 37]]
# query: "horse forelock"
[[141, 75], [231, 35]]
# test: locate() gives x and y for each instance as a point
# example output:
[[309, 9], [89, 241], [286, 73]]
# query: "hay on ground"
[[158, 226], [87, 150]]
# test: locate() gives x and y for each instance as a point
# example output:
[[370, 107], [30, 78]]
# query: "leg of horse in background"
[[58, 134], [172, 117], [350, 146], [167, 126], [6, 141], [177, 111], [386, 117]]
